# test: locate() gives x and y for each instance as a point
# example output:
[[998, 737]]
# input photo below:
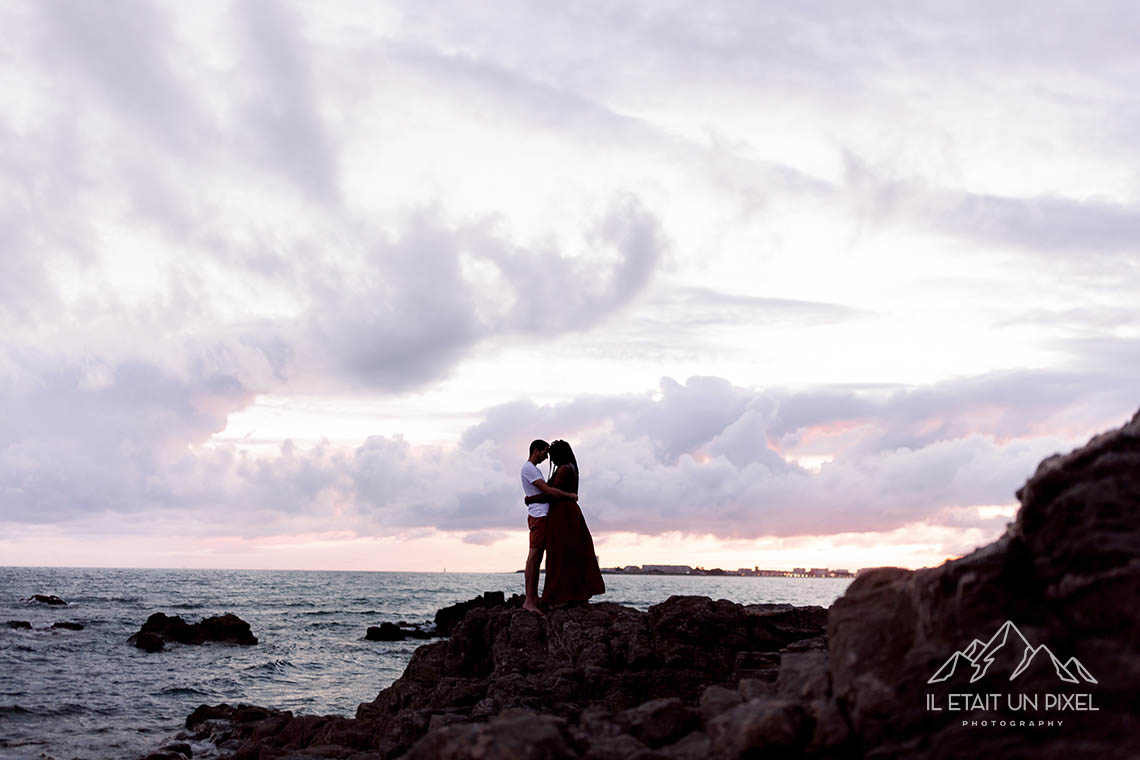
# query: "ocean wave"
[[182, 691], [289, 605], [273, 666], [67, 708]]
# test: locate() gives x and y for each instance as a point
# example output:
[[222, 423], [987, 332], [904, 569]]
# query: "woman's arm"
[[549, 492]]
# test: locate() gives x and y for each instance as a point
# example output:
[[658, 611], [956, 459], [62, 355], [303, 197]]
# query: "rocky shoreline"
[[1028, 647]]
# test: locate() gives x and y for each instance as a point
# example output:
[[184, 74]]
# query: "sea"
[[88, 694]]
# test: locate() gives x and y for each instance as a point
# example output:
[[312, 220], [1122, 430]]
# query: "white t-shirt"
[[531, 473]]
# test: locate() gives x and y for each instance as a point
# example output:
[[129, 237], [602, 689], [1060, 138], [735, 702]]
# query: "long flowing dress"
[[572, 572]]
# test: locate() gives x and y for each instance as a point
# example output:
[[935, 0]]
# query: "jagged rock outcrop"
[[398, 632], [160, 628], [1052, 605], [50, 599], [448, 617], [1066, 574], [641, 674], [174, 751], [68, 626]]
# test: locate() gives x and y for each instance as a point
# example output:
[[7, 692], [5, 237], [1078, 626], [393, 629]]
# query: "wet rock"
[[68, 626], [227, 629], [148, 642], [51, 599], [19, 624], [396, 632], [232, 728], [173, 751]]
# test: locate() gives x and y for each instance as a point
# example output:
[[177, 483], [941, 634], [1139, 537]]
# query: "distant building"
[[799, 571], [667, 569], [818, 572]]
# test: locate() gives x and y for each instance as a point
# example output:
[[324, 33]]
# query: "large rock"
[[69, 626], [1053, 601], [51, 599], [640, 672], [396, 632], [510, 736], [1066, 575], [448, 617], [160, 628]]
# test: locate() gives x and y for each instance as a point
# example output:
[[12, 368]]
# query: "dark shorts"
[[537, 527]]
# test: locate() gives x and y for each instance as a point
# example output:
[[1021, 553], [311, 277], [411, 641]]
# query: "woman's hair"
[[561, 453]]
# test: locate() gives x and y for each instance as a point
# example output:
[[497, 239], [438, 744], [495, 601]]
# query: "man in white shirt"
[[533, 485]]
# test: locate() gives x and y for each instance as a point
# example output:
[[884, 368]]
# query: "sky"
[[811, 284]]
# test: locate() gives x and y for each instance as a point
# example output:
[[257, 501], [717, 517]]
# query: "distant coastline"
[[799, 572], [755, 572]]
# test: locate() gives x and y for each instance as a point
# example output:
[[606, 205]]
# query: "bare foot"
[[532, 607]]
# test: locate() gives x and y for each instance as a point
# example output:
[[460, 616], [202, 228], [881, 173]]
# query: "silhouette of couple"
[[558, 529]]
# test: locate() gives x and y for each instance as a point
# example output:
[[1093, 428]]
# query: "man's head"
[[538, 450]]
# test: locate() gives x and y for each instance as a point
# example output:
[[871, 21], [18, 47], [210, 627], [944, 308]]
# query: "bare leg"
[[533, 562]]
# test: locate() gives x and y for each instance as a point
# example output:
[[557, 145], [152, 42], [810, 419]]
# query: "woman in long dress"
[[572, 572]]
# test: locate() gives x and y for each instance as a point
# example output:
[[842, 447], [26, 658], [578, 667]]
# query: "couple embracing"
[[557, 529]]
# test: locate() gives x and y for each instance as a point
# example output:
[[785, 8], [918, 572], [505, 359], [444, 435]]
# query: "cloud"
[[426, 299], [700, 457], [201, 205], [124, 50], [1095, 229], [484, 538], [284, 111], [98, 439]]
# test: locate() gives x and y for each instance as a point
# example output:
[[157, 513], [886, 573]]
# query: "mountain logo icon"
[[1014, 651]]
